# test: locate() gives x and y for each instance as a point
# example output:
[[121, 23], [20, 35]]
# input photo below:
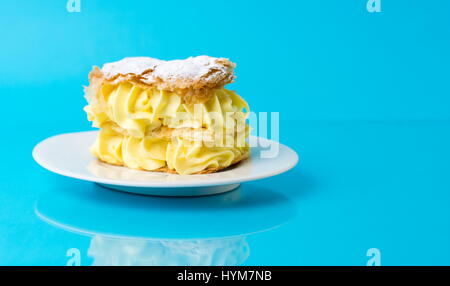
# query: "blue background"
[[364, 98]]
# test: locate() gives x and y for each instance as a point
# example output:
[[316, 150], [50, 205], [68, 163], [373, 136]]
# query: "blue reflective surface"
[[359, 185], [363, 99]]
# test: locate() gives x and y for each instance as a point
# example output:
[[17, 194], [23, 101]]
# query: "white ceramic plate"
[[68, 155]]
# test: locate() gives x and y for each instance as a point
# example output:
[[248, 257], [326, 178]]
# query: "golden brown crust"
[[192, 134], [166, 169], [192, 78]]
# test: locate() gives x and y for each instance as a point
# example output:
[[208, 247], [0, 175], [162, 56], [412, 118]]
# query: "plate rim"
[[146, 184]]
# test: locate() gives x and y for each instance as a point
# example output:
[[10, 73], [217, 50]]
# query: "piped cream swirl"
[[151, 129]]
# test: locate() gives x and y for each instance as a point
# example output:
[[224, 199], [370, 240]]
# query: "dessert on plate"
[[168, 116]]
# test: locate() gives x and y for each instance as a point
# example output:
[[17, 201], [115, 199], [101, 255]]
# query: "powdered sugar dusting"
[[134, 65], [190, 70]]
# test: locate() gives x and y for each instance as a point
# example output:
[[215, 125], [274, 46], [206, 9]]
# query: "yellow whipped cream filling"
[[150, 153], [128, 115], [141, 110]]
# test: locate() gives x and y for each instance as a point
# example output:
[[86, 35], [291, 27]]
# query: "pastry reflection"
[[146, 252], [141, 230]]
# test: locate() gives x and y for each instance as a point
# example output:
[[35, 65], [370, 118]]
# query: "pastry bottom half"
[[162, 154]]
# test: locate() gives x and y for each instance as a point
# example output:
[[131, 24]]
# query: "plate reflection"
[[128, 229]]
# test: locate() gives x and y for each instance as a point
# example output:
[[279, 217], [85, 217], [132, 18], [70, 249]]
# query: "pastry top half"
[[172, 116], [191, 78]]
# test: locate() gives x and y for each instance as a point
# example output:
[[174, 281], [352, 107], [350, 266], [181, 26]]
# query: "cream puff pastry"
[[168, 116]]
